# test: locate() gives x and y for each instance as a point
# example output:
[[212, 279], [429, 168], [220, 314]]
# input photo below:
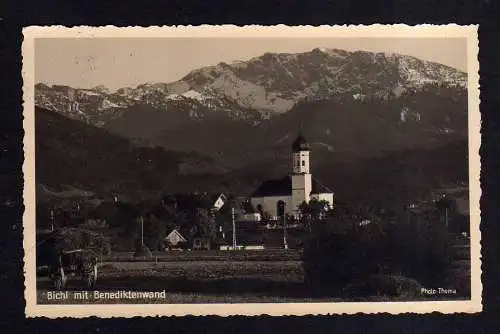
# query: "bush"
[[143, 251], [385, 286]]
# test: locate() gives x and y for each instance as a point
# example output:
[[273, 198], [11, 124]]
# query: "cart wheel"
[[92, 278], [90, 282], [58, 282]]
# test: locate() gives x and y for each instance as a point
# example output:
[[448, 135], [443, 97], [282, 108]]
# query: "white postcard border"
[[251, 309]]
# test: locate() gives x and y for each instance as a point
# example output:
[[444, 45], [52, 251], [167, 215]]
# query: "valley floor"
[[196, 282]]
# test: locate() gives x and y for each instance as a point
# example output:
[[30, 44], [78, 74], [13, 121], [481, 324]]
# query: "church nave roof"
[[283, 187]]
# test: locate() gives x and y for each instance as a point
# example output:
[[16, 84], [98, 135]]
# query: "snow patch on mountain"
[[192, 94], [262, 86], [89, 93], [174, 97], [106, 104], [250, 95]]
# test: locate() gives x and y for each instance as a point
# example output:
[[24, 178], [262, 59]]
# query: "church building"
[[284, 196]]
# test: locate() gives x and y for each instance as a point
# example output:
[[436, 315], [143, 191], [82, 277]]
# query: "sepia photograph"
[[245, 170]]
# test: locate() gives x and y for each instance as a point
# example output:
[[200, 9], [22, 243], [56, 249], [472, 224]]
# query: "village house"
[[174, 238], [218, 201], [247, 213], [201, 243], [284, 196]]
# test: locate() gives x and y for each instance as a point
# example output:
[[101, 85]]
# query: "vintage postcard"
[[223, 170]]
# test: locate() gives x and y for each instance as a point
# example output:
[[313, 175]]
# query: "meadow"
[[209, 277], [196, 281]]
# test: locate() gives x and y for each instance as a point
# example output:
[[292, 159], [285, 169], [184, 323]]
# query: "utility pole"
[[52, 219], [444, 203], [77, 208], [409, 211], [446, 216], [141, 219], [234, 228], [221, 231], [285, 243]]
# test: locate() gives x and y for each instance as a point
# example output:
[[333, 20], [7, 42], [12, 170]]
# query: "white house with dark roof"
[[174, 238], [247, 213], [284, 196], [218, 201]]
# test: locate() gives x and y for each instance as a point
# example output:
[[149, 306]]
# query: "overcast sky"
[[128, 62]]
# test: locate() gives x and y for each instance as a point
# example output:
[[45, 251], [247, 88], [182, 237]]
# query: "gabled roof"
[[175, 232], [215, 197], [247, 207], [283, 187], [319, 188]]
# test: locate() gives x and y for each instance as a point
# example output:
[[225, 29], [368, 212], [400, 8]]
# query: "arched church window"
[[280, 206]]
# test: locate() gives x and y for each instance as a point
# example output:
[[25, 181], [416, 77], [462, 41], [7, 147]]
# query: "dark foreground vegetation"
[[339, 263], [222, 281], [386, 258]]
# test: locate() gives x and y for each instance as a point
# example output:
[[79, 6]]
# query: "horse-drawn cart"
[[78, 263]]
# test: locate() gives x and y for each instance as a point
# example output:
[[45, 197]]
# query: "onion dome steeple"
[[300, 144]]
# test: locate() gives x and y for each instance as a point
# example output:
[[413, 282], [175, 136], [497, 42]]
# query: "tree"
[[45, 214], [335, 254], [265, 216], [342, 252], [206, 223], [446, 208], [155, 232], [199, 222], [313, 211]]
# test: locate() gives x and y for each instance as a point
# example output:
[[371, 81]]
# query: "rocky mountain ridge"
[[259, 88]]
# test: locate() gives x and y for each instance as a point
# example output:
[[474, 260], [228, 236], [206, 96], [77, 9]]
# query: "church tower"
[[301, 175]]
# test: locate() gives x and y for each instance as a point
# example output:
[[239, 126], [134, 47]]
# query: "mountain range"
[[236, 121], [257, 89]]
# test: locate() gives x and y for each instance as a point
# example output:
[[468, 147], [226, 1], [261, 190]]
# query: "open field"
[[196, 281], [200, 282], [277, 255]]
